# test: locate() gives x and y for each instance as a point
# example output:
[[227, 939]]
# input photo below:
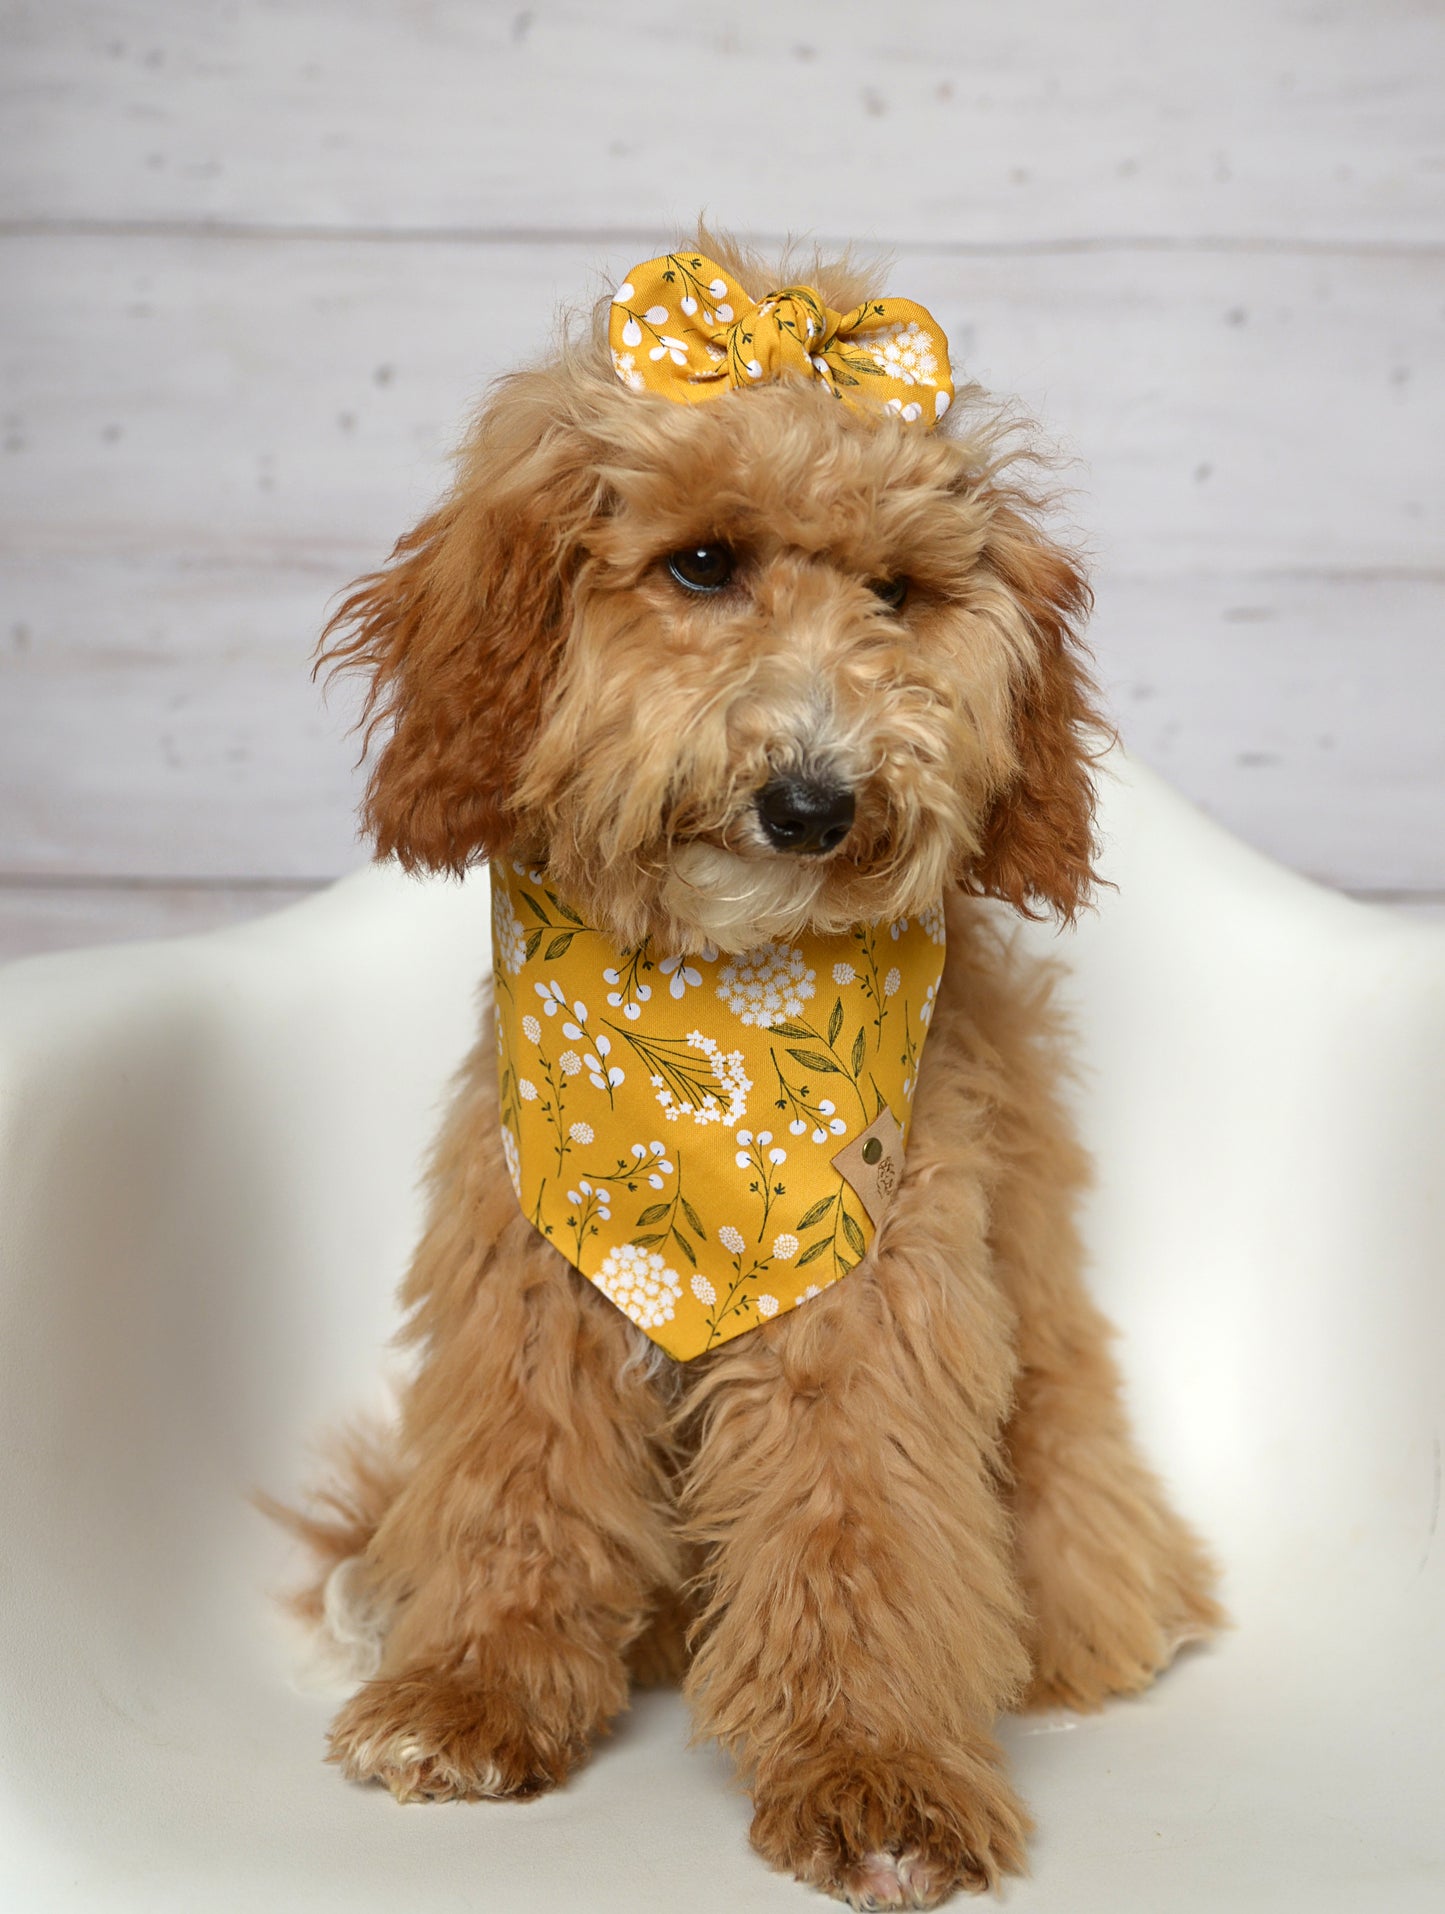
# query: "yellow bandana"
[[683, 328], [710, 1139]]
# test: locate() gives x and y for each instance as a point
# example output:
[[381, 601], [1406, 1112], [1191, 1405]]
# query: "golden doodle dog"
[[751, 1348]]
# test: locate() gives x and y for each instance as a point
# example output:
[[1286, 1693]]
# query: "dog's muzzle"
[[809, 816]]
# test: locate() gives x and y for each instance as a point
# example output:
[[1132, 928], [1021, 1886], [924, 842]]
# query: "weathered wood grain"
[[257, 262], [1305, 712], [213, 436], [938, 122], [204, 396], [157, 720]]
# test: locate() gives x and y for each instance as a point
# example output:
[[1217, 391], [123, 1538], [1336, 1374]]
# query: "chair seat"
[[209, 1153]]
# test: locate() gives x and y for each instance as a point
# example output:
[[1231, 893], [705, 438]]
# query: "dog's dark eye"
[[892, 591], [701, 567]]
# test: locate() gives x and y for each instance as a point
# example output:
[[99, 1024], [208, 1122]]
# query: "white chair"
[[208, 1161]]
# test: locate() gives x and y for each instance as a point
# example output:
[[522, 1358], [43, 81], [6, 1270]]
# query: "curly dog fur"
[[858, 1533]]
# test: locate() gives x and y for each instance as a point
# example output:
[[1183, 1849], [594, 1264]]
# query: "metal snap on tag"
[[873, 1163]]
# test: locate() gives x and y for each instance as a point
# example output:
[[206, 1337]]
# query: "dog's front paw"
[[882, 1832], [433, 1736]]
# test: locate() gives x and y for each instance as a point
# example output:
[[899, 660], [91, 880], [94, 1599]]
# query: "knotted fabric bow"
[[683, 328]]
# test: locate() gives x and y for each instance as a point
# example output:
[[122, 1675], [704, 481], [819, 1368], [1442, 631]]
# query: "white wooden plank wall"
[[257, 260]]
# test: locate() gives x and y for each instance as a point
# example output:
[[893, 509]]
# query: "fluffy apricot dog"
[[746, 658]]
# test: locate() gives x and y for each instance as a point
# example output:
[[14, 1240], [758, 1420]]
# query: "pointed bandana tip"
[[711, 1140]]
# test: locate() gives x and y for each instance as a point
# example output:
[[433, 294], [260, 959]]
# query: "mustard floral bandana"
[[682, 327], [710, 1139]]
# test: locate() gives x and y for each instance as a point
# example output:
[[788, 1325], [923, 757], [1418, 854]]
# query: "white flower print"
[[836, 1124], [941, 402], [511, 1156], [640, 1284], [508, 936], [631, 1010], [601, 1074], [624, 364], [601, 1197], [667, 348], [682, 974], [601, 1018], [744, 1157], [728, 1068], [905, 352], [765, 985], [654, 1158]]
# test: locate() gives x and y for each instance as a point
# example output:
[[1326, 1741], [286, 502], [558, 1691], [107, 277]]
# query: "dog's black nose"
[[805, 814]]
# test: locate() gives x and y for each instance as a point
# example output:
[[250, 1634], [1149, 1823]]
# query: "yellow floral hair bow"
[[683, 328]]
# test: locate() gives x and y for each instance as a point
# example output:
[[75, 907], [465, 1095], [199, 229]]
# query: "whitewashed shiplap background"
[[257, 260]]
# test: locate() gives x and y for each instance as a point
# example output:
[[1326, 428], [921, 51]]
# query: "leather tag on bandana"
[[873, 1164]]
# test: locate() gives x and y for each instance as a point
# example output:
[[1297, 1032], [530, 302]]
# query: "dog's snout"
[[809, 815]]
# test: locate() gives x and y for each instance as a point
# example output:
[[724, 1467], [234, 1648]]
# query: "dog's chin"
[[735, 902]]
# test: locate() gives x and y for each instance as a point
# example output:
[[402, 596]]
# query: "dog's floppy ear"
[[460, 634], [1038, 838]]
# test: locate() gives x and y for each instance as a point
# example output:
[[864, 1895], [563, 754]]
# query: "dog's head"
[[730, 670]]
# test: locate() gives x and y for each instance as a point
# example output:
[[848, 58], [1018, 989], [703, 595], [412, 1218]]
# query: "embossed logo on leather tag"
[[873, 1164]]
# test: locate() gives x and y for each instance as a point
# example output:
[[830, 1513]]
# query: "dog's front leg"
[[520, 1555], [863, 1627]]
